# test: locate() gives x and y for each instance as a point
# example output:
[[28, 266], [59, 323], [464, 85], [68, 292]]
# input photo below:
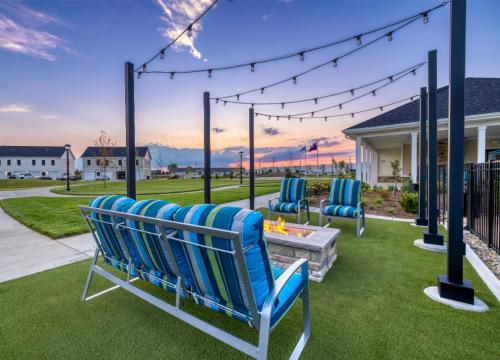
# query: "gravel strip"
[[488, 256]]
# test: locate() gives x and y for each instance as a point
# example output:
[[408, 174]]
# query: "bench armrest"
[[322, 203], [280, 283]]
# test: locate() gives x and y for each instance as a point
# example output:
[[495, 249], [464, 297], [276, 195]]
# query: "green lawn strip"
[[144, 187], [58, 217], [369, 306], [19, 184]]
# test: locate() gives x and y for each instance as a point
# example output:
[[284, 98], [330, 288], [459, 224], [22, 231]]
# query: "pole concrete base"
[[413, 224], [430, 247], [421, 222], [478, 306]]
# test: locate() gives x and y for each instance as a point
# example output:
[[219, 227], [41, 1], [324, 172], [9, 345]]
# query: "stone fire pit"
[[288, 242]]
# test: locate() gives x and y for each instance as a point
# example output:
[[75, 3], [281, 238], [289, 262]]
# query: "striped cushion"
[[340, 210], [292, 190], [152, 249], [117, 246], [215, 275], [287, 296], [345, 192], [287, 207]]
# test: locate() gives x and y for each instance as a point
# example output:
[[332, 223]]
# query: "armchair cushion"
[[292, 190], [287, 296], [287, 207], [340, 210], [345, 192]]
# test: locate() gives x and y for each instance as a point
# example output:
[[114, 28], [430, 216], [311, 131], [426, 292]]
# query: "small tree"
[[341, 167], [396, 172], [104, 145], [189, 170], [172, 168]]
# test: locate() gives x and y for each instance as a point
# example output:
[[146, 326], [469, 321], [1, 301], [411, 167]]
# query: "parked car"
[[75, 177], [43, 177], [26, 175], [13, 177]]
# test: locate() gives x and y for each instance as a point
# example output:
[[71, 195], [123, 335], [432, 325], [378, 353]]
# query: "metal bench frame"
[[360, 216], [261, 320]]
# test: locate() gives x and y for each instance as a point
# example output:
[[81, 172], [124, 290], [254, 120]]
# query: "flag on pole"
[[313, 147], [303, 148]]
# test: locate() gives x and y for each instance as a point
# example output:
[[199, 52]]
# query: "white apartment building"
[[49, 161]]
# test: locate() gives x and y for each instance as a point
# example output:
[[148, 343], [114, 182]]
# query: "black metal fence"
[[481, 200]]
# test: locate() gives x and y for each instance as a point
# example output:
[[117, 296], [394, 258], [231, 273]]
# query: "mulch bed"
[[372, 207]]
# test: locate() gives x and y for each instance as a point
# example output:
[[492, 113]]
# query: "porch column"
[[358, 158], [414, 142], [481, 143]]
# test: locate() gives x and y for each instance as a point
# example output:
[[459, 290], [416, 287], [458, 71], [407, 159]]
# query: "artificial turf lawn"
[[59, 217], [370, 305], [18, 184], [150, 187]]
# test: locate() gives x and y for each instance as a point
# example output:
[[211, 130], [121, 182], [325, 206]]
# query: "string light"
[[312, 114], [217, 100], [289, 117], [326, 118], [400, 74], [352, 115], [294, 80], [190, 31], [209, 73], [238, 97], [389, 36], [282, 105], [381, 108], [340, 106], [414, 72], [391, 78], [262, 91], [139, 74], [352, 92], [300, 119], [252, 67], [405, 21], [316, 101], [374, 93], [225, 102], [162, 54], [172, 75], [335, 62]]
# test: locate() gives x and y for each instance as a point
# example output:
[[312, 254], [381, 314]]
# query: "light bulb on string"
[[302, 56], [217, 100], [340, 106], [391, 78], [252, 67], [389, 36], [143, 67], [294, 80], [172, 75], [414, 72], [374, 93], [138, 74], [237, 97], [261, 91], [316, 101], [312, 114], [300, 119], [352, 115], [269, 117], [381, 108], [352, 92], [289, 117], [358, 40], [210, 73], [335, 62], [225, 102], [425, 17], [326, 118], [190, 31], [162, 54]]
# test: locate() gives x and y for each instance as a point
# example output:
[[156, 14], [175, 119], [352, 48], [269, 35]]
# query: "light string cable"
[[380, 107], [301, 54], [392, 78], [189, 29], [332, 61]]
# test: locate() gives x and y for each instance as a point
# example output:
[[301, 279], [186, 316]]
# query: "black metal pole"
[[241, 167], [421, 220], [130, 129], [252, 157], [67, 169], [432, 236], [453, 286], [206, 145]]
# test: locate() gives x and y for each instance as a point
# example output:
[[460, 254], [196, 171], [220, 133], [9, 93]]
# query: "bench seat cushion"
[[287, 207], [287, 296], [340, 210]]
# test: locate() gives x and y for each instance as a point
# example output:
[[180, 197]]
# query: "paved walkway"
[[41, 191]]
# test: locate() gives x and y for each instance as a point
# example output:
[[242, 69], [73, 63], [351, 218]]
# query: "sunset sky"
[[62, 75]]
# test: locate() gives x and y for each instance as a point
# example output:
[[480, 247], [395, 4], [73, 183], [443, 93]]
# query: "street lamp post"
[[333, 160], [67, 147], [241, 167]]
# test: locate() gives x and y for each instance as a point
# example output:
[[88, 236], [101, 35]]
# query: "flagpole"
[[317, 158], [305, 162]]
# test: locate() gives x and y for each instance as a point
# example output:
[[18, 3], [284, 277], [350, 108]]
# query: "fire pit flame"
[[280, 227]]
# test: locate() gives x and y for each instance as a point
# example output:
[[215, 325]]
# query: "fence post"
[[469, 197], [491, 207]]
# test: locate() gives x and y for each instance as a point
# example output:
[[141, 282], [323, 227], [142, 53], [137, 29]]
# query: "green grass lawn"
[[370, 305], [17, 184], [59, 217], [144, 187]]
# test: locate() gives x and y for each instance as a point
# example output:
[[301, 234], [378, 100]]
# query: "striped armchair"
[[344, 201], [292, 198]]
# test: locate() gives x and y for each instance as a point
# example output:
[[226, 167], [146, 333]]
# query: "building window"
[[43, 162], [137, 162], [33, 162], [88, 162], [98, 173], [18, 162], [8, 162], [119, 162], [52, 162]]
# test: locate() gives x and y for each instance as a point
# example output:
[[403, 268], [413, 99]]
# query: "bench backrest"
[[218, 276], [116, 245], [293, 190], [345, 192]]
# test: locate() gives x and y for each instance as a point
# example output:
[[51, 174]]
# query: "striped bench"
[[292, 199], [344, 201], [213, 255]]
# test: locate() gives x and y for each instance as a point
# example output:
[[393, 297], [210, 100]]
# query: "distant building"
[[196, 172], [48, 161], [96, 166]]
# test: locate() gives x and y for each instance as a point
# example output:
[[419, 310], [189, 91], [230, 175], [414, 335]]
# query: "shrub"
[[409, 202], [391, 211], [288, 173], [365, 187], [391, 188], [318, 188], [406, 186], [379, 200], [384, 194]]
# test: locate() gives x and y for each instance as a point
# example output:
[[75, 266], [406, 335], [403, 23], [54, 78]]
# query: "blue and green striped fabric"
[[340, 210], [287, 207], [292, 190], [117, 246], [345, 192], [152, 249], [215, 275]]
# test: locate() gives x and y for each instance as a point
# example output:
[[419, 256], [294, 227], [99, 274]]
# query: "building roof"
[[116, 151], [482, 96], [32, 151]]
